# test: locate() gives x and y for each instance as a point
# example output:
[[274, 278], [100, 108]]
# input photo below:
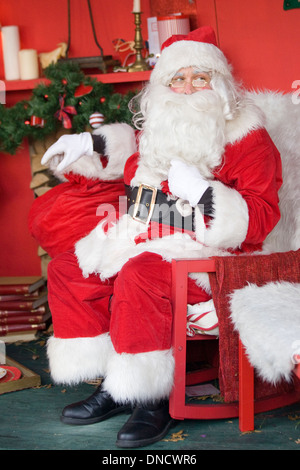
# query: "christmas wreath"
[[67, 98]]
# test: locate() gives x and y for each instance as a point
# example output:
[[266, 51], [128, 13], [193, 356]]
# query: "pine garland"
[[51, 102]]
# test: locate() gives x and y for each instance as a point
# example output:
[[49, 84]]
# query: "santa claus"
[[204, 181]]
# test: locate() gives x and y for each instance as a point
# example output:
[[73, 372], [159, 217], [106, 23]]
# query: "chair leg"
[[179, 300], [246, 391]]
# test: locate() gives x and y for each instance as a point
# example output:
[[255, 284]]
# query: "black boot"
[[147, 424], [98, 407]]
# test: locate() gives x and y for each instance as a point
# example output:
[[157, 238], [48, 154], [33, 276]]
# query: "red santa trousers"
[[134, 306], [119, 329]]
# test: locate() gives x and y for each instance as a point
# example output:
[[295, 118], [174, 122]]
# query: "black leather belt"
[[146, 203]]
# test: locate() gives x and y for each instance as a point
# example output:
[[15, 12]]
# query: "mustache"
[[203, 100]]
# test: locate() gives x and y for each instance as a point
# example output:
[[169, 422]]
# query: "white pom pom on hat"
[[198, 48]]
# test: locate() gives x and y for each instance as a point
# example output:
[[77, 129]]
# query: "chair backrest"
[[282, 113]]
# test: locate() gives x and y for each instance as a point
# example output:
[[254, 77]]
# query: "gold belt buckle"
[[137, 203]]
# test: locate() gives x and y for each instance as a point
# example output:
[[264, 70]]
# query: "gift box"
[[172, 24]]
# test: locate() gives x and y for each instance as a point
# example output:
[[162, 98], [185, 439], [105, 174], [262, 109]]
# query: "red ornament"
[[102, 99], [96, 119], [37, 121], [82, 90], [64, 81]]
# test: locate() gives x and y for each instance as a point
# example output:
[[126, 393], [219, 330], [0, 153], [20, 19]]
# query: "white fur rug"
[[267, 319]]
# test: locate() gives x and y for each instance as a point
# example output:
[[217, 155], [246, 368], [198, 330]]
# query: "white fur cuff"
[[74, 360], [229, 225], [120, 144], [143, 377]]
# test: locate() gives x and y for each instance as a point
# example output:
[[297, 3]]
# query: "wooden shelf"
[[19, 85], [123, 77], [118, 77]]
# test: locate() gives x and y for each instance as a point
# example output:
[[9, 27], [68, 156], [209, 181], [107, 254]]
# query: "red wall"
[[18, 250], [258, 36], [42, 26]]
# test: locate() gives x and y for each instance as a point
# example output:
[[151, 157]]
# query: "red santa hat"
[[198, 48]]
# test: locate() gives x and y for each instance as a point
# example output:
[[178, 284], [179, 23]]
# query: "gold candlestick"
[[140, 64]]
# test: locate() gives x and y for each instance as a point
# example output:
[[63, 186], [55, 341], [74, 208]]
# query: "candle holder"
[[140, 64]]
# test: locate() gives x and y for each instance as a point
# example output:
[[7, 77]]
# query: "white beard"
[[190, 128]]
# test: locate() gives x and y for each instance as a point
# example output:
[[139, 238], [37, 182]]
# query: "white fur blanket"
[[267, 319]]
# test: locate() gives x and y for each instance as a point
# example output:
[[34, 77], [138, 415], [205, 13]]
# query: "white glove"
[[72, 146], [186, 182]]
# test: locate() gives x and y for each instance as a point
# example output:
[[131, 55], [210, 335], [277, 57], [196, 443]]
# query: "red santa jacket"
[[245, 193], [68, 212]]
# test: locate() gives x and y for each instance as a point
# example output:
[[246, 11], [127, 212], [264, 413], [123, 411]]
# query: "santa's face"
[[189, 80], [185, 126]]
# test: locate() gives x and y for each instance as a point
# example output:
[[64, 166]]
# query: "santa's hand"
[[186, 182], [72, 147]]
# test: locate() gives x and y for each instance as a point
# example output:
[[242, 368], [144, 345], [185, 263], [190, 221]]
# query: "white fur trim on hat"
[[185, 54]]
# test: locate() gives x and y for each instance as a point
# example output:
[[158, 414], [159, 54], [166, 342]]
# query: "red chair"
[[246, 407]]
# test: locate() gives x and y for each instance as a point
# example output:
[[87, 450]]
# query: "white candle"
[[136, 6], [11, 47], [29, 66]]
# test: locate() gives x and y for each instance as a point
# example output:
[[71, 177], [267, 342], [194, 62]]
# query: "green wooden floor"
[[29, 420]]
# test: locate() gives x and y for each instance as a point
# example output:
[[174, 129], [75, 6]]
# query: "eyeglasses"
[[198, 82]]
